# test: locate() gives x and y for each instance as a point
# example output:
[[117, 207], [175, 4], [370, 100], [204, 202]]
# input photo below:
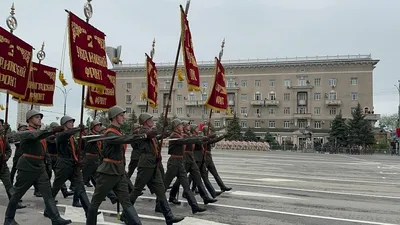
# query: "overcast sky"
[[252, 28]]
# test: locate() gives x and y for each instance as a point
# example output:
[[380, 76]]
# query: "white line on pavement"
[[258, 195]]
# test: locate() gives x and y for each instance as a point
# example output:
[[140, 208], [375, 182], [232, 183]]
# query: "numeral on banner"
[[11, 52], [90, 41]]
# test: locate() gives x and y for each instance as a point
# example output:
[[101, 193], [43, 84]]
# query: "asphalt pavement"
[[269, 188]]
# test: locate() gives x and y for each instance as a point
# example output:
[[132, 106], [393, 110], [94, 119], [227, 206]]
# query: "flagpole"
[[172, 83], [153, 50], [41, 55], [221, 53]]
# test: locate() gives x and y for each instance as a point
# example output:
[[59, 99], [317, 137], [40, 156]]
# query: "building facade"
[[22, 109], [288, 97]]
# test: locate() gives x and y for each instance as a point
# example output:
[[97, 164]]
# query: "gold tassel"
[[180, 74], [229, 111], [61, 77], [143, 95], [2, 107]]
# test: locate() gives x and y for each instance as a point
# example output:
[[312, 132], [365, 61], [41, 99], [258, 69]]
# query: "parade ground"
[[277, 188]]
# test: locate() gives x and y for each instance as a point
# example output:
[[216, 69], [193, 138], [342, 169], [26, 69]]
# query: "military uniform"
[[192, 168], [112, 174], [52, 154], [206, 164], [67, 166], [91, 157], [148, 172], [31, 170], [17, 154], [135, 155], [176, 164]]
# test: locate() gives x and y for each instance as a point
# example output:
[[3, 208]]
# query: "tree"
[[338, 134], [128, 125], [88, 121], [269, 138], [360, 129], [101, 116], [388, 121], [233, 129], [160, 122], [249, 135]]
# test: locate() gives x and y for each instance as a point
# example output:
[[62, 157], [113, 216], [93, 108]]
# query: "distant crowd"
[[238, 145]]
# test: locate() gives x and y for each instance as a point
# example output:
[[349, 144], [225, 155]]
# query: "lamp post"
[[65, 93]]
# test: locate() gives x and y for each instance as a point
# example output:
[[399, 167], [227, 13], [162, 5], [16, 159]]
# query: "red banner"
[[102, 99], [152, 82], [191, 68], [41, 86], [87, 52], [218, 99], [15, 64]]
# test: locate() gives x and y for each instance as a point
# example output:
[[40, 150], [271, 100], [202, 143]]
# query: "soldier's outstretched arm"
[[31, 135], [125, 139], [217, 139], [189, 140], [62, 136]]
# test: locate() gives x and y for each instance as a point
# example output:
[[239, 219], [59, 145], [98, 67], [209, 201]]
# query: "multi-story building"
[[284, 96], [22, 109]]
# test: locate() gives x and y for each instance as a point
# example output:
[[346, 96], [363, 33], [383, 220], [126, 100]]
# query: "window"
[[272, 83], [317, 110], [317, 96], [144, 85], [205, 84], [243, 110], [257, 124], [169, 109], [317, 124], [286, 96], [271, 111], [302, 123], [179, 98], [156, 110], [243, 97], [271, 124], [204, 96], [354, 96], [231, 83], [243, 83], [257, 83], [258, 111], [180, 84], [272, 96], [332, 111], [217, 123], [301, 110], [142, 110], [257, 96], [353, 109], [167, 84], [205, 111], [287, 83], [286, 124], [332, 81], [302, 82], [286, 110], [128, 98], [128, 110], [192, 97], [190, 111], [243, 123], [129, 85], [332, 95], [179, 111], [354, 81], [317, 82]]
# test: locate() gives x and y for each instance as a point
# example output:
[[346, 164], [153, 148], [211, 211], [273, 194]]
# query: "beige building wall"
[[283, 96]]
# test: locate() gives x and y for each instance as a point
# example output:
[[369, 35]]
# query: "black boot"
[[91, 217], [166, 210], [174, 201], [20, 206], [85, 202], [88, 184], [52, 212], [218, 193], [157, 208], [37, 193], [225, 188], [65, 192], [75, 202], [10, 213], [196, 208], [208, 200], [131, 217]]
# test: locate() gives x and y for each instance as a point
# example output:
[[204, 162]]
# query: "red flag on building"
[[152, 82], [15, 64], [41, 86], [102, 99], [88, 53], [191, 68], [218, 99]]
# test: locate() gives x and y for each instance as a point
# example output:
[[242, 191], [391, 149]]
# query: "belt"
[[54, 155], [113, 161], [188, 152], [177, 156], [33, 156], [91, 154]]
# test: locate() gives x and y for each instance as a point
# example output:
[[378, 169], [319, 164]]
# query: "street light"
[[398, 110], [65, 93]]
